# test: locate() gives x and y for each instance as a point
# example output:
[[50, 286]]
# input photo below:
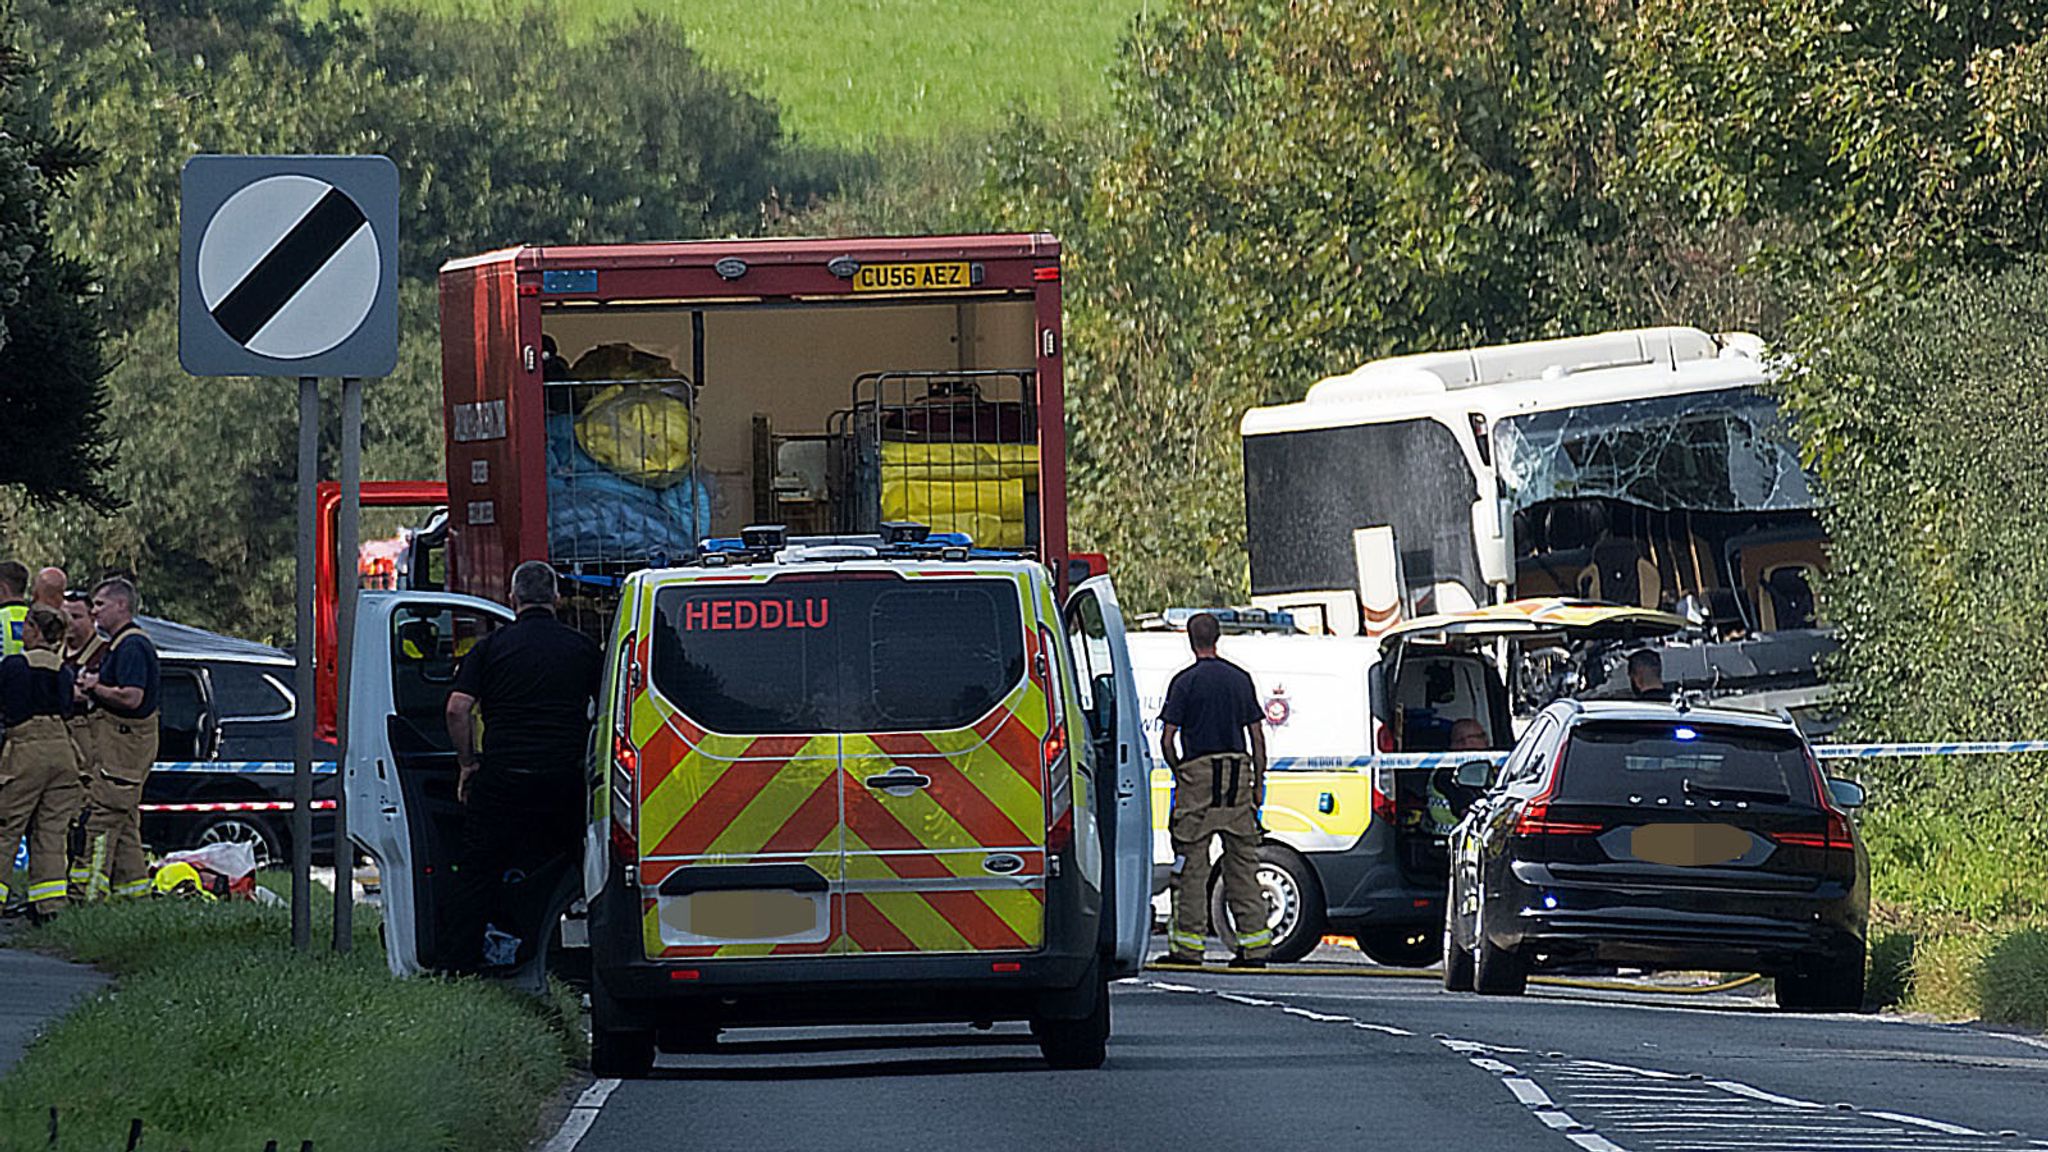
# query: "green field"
[[859, 71]]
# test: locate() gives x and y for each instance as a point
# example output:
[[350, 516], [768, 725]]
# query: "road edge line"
[[582, 1115]]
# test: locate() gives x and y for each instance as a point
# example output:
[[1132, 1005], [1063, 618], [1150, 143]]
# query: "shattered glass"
[[1722, 451]]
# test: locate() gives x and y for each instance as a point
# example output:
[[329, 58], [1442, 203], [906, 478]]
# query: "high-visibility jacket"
[[13, 624]]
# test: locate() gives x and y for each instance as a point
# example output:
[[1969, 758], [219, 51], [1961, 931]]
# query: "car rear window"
[[848, 655], [1629, 762]]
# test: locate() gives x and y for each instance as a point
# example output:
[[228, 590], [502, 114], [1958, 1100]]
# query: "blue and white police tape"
[[1497, 757], [239, 767]]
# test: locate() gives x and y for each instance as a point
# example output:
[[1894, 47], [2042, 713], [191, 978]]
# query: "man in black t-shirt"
[[535, 683], [1214, 737]]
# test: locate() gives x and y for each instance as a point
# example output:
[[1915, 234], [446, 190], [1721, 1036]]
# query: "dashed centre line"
[[1592, 1103]]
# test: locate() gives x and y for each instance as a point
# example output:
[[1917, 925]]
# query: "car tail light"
[[1535, 821], [1535, 818], [1837, 834]]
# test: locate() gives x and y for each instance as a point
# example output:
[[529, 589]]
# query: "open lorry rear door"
[[1109, 694], [401, 769]]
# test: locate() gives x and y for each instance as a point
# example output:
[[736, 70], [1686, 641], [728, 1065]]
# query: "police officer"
[[39, 789], [13, 606], [1646, 676], [534, 681], [1211, 709], [124, 739]]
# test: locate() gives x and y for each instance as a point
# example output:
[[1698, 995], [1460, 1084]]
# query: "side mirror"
[[1846, 794], [1475, 774]]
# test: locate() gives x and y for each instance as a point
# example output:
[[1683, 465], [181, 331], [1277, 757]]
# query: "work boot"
[[1188, 959], [1246, 960]]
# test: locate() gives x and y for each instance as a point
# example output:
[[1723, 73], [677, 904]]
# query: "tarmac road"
[[1268, 1061]]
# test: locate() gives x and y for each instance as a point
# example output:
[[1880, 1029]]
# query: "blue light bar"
[[1685, 734]]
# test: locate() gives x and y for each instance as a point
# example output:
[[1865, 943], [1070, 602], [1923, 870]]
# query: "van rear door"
[[1109, 694], [948, 764], [400, 774]]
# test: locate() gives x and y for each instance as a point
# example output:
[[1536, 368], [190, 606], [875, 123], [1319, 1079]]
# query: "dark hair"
[[1644, 660], [77, 596], [1203, 631], [48, 623], [533, 583], [13, 577]]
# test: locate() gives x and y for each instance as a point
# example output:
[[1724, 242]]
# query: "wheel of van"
[[242, 828], [618, 1049], [1401, 947], [1081, 1044], [1835, 986], [1457, 962], [1294, 904], [1497, 971]]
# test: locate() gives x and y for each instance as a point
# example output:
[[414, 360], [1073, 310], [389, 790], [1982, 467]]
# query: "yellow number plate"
[[950, 276]]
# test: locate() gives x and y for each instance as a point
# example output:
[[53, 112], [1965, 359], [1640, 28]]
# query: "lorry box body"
[[608, 406]]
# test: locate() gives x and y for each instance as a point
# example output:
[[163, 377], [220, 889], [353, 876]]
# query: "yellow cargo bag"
[[640, 432]]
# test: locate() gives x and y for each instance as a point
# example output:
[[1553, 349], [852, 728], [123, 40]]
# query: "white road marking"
[[1529, 1092], [1318, 1017], [1594, 1142], [581, 1116], [1741, 1089], [1388, 1029], [1252, 1001], [1923, 1122], [1495, 1066]]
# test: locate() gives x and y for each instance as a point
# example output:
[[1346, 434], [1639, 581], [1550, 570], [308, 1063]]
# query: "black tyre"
[[1833, 986], [1402, 947], [1457, 963], [243, 828], [1077, 1044], [1294, 904], [621, 1048], [1498, 971]]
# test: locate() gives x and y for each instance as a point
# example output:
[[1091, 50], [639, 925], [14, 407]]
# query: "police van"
[[833, 781]]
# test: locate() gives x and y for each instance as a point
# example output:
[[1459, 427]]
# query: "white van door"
[[1109, 693], [400, 774]]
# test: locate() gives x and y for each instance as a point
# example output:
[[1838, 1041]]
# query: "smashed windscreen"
[[1721, 451]]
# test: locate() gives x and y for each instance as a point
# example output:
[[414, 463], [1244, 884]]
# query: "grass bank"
[[852, 72], [217, 1036], [1959, 901]]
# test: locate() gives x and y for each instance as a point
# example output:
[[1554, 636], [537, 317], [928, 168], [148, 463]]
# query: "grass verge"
[[217, 1036]]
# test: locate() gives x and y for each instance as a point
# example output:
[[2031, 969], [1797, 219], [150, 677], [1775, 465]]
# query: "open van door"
[[1109, 694], [401, 768]]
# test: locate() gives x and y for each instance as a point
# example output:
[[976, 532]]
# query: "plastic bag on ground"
[[227, 870]]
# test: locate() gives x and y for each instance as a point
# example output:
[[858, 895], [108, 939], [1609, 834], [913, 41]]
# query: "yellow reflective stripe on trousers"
[[47, 890], [133, 888], [1260, 939]]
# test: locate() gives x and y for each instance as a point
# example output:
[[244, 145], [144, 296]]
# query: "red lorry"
[[607, 406]]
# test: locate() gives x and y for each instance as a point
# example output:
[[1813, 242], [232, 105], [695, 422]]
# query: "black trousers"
[[519, 831]]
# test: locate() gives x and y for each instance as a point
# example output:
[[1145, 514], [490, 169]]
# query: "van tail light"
[[625, 813], [1055, 746], [1383, 736], [1383, 806], [1535, 821], [624, 851], [1060, 836]]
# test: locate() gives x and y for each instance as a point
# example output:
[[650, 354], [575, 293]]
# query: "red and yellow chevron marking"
[[905, 870]]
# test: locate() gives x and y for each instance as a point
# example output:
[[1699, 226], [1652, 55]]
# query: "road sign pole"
[[348, 570], [302, 673]]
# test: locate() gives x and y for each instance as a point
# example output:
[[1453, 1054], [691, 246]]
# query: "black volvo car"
[[224, 753], [1660, 837]]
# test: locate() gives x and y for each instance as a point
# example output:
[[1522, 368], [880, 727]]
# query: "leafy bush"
[[2013, 982]]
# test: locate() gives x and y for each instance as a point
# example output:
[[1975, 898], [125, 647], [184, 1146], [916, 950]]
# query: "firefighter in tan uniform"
[[1215, 740], [84, 648], [124, 735], [39, 790]]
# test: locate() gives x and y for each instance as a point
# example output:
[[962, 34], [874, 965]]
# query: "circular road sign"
[[289, 267]]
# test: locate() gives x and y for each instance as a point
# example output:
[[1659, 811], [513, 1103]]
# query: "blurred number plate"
[[732, 916], [1688, 845], [949, 276]]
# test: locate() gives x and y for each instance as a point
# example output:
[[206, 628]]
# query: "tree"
[[51, 359], [504, 130]]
